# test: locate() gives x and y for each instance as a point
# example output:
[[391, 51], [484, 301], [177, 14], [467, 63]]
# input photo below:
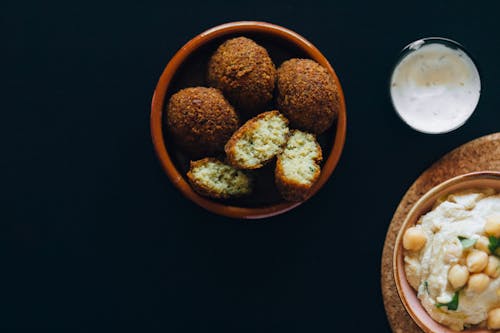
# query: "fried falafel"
[[307, 95], [215, 179], [297, 167], [257, 141], [245, 73], [201, 120]]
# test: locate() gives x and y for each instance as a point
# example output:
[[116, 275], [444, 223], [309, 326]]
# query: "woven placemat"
[[476, 155]]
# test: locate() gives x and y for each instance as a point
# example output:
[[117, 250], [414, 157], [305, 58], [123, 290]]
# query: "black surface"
[[95, 237]]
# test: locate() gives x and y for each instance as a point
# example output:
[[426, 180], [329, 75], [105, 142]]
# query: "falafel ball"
[[307, 95], [244, 72], [201, 120]]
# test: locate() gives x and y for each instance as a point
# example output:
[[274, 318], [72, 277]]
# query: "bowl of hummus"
[[447, 256]]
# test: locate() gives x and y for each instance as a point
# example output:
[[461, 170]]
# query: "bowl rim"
[[398, 259], [158, 103]]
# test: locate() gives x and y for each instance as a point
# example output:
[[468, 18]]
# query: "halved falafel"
[[201, 120], [215, 179], [244, 72], [257, 141], [307, 95], [298, 166]]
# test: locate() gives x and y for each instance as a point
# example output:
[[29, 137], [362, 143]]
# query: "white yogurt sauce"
[[435, 88]]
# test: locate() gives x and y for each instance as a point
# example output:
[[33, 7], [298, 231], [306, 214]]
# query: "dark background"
[[93, 234]]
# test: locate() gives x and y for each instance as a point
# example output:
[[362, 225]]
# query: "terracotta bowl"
[[423, 205], [188, 68]]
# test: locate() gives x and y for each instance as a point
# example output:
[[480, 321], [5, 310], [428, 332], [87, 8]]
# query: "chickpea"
[[458, 276], [414, 239], [444, 299], [478, 282], [482, 244], [492, 225], [494, 319], [477, 261], [493, 267]]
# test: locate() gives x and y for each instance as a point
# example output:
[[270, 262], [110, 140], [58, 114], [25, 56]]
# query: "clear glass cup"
[[423, 90]]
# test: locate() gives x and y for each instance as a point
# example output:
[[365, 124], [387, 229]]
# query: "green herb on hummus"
[[452, 305], [467, 242], [426, 286], [494, 245]]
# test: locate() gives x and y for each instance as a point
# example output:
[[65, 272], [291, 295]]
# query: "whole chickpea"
[[458, 276], [494, 319], [493, 267], [414, 239], [476, 261], [478, 282], [482, 244], [492, 225]]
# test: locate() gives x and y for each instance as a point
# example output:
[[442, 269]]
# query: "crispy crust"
[[289, 189], [307, 95], [250, 125], [245, 73], [201, 120], [201, 188]]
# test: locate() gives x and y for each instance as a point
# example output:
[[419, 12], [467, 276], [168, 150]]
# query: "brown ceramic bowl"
[[188, 68], [423, 205]]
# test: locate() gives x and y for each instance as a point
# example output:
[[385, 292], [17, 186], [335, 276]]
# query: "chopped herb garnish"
[[493, 245], [452, 305], [467, 242], [426, 287], [312, 169]]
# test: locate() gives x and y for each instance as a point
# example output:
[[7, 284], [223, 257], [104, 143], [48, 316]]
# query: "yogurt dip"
[[452, 259], [435, 87]]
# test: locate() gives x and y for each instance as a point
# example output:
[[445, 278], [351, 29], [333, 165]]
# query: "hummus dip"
[[456, 232]]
